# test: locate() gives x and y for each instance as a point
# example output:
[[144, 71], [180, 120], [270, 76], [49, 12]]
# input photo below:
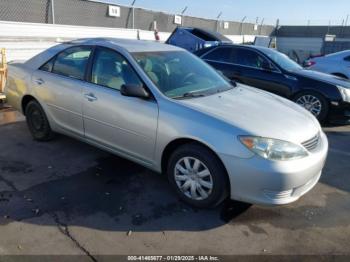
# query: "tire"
[[208, 161], [37, 122], [305, 99]]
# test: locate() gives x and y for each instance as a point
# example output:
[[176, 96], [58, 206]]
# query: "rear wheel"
[[315, 103], [37, 122], [198, 176]]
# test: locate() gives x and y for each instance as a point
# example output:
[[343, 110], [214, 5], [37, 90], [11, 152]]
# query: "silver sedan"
[[337, 64], [164, 108]]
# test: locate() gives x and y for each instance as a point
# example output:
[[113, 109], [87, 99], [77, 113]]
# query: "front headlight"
[[273, 149], [345, 93]]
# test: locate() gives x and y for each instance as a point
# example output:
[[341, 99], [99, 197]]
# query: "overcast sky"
[[288, 11]]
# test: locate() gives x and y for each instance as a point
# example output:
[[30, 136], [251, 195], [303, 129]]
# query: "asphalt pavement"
[[66, 197]]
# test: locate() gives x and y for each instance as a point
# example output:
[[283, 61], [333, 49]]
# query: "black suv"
[[325, 96]]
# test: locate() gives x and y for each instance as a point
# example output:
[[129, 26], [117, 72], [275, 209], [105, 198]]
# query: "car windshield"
[[282, 60], [179, 74]]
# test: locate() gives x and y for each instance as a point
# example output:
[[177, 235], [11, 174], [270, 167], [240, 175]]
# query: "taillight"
[[309, 63]]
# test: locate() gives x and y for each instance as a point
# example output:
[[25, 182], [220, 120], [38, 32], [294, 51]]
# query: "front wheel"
[[198, 176], [315, 103]]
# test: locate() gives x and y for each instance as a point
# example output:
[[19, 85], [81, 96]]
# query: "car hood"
[[330, 79], [258, 113]]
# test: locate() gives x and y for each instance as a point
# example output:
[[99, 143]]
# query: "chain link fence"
[[34, 11], [88, 13]]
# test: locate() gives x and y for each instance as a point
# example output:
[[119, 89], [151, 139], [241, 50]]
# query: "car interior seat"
[[107, 74]]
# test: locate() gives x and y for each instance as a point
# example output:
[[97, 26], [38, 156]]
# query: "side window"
[[48, 65], [112, 70], [72, 62], [347, 58], [250, 58], [222, 54]]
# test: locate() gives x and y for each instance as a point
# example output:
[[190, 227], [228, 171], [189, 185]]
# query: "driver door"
[[126, 125], [254, 74]]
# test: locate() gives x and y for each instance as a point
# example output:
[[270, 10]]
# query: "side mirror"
[[233, 83], [134, 91]]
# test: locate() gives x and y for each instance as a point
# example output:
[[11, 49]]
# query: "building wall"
[[87, 13], [313, 31]]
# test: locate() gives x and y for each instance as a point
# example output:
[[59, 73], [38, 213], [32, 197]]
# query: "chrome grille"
[[312, 143]]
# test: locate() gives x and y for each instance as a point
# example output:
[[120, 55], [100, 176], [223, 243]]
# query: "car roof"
[[130, 45], [205, 50]]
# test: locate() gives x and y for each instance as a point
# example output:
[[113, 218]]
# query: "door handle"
[[90, 97], [39, 81]]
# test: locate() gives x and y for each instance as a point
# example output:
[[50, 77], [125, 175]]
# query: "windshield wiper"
[[193, 94], [187, 95], [196, 93], [204, 92], [233, 85]]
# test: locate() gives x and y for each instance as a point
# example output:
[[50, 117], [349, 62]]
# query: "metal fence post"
[[277, 26], [218, 21], [261, 26], [242, 21], [346, 20], [182, 15], [53, 11], [133, 13]]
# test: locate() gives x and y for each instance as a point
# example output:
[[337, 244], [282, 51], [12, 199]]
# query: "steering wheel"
[[187, 78]]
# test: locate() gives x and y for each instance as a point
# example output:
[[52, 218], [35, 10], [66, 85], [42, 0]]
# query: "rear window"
[[72, 62], [221, 54]]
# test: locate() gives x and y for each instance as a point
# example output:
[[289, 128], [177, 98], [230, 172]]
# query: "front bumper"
[[339, 111], [260, 181]]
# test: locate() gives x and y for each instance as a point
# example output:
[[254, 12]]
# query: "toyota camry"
[[166, 109]]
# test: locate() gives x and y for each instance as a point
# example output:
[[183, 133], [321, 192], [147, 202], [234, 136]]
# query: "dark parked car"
[[325, 96]]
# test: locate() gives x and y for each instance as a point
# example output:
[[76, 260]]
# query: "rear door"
[[59, 86], [124, 124]]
